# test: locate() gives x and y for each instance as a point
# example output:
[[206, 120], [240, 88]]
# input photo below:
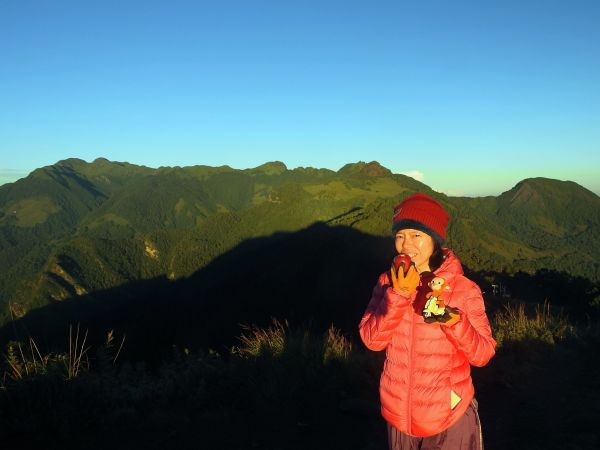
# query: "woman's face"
[[416, 244]]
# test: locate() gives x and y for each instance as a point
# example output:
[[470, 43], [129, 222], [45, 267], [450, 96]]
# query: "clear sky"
[[469, 96]]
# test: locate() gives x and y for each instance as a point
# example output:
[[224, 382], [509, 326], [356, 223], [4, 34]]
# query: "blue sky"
[[469, 96]]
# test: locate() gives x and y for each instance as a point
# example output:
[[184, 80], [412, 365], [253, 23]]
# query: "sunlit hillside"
[[74, 228]]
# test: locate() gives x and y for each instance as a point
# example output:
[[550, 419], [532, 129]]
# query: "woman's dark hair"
[[437, 257]]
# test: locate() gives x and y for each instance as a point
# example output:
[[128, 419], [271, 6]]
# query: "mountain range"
[[75, 229]]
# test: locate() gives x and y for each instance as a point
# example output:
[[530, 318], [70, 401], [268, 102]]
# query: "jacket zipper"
[[410, 361]]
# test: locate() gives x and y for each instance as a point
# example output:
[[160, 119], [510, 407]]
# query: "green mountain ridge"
[[76, 227]]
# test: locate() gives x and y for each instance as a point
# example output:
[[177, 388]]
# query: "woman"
[[427, 396]]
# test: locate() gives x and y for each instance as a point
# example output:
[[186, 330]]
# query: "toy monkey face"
[[437, 283]]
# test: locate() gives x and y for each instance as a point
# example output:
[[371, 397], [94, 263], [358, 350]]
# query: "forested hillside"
[[74, 229]]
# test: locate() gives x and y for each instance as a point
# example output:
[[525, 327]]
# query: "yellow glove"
[[407, 283]]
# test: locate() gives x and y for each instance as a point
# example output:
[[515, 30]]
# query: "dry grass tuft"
[[336, 346], [514, 324], [258, 341]]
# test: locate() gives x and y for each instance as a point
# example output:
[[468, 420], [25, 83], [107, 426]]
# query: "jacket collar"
[[451, 265]]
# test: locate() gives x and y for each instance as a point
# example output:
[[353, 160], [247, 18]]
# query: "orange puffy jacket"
[[426, 382]]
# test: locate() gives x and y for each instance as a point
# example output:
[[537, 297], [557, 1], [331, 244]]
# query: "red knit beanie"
[[421, 212]]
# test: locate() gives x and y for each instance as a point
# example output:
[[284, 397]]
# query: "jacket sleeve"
[[383, 314], [472, 334]]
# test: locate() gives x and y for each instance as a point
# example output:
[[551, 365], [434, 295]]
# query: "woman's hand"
[[449, 318]]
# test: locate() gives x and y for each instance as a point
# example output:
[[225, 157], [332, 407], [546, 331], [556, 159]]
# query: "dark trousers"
[[465, 434]]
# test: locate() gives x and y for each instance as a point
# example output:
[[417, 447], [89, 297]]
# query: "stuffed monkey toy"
[[435, 310]]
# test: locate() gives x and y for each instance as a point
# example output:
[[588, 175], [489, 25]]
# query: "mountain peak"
[[535, 190], [101, 160], [72, 163], [371, 169], [272, 168], [554, 207]]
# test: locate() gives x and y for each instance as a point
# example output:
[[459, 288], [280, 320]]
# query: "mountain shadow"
[[312, 278], [316, 277]]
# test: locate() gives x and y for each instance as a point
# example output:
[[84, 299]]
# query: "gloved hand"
[[449, 318], [405, 280]]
